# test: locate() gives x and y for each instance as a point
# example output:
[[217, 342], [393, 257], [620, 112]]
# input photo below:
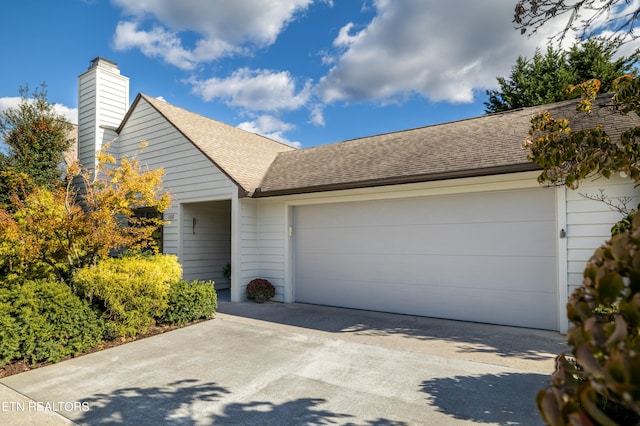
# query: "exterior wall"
[[274, 219], [249, 253], [190, 177], [206, 242], [271, 243], [589, 222], [103, 100]]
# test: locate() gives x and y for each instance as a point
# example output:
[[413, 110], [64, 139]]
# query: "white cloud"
[[443, 51], [9, 102], [71, 114], [255, 90], [155, 43], [317, 116], [271, 127], [345, 38], [222, 28]]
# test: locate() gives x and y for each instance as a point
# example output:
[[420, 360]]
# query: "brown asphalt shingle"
[[479, 146]]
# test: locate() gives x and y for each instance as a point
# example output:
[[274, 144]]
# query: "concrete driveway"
[[301, 365]]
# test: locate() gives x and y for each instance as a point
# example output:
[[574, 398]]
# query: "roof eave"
[[399, 180]]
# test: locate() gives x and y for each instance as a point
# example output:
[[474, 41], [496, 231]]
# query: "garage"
[[483, 257]]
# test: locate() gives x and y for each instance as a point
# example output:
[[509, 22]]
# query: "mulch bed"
[[17, 367]]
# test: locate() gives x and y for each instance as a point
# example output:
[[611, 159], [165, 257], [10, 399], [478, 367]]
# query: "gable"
[[243, 156], [188, 173]]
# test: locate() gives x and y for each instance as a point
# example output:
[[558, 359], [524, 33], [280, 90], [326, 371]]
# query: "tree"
[[616, 17], [543, 78], [37, 138], [56, 231], [599, 382]]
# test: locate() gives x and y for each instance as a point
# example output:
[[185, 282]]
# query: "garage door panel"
[[486, 257], [523, 206], [514, 308], [513, 273], [460, 239]]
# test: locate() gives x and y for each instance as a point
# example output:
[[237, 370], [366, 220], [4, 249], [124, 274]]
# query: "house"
[[444, 221]]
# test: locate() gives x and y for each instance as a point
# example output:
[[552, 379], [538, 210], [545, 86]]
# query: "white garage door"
[[485, 257]]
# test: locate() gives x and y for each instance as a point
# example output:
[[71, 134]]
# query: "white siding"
[[206, 242], [189, 176], [589, 222], [249, 254], [103, 99], [271, 244]]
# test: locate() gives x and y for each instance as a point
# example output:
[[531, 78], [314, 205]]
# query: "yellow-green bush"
[[44, 321], [131, 290]]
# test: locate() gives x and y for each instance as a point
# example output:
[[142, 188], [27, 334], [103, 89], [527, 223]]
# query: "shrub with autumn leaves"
[[62, 291], [260, 290], [598, 382], [56, 231]]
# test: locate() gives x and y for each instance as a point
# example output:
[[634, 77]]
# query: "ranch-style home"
[[444, 221]]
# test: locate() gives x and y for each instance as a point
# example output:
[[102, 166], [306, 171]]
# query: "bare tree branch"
[[619, 18]]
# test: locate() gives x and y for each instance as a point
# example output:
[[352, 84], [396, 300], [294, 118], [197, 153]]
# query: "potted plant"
[[260, 290], [226, 271]]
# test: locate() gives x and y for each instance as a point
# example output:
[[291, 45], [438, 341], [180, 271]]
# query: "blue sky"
[[301, 71]]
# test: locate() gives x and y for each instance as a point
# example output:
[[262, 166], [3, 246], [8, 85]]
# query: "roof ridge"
[[461, 120]]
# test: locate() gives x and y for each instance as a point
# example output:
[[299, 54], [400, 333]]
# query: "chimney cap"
[[99, 60]]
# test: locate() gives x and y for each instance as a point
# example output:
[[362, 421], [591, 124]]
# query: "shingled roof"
[[486, 145], [243, 156]]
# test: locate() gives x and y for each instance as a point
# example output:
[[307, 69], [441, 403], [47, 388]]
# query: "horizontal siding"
[[249, 252], [102, 101], [271, 243], [188, 173], [189, 176], [113, 92], [207, 245], [589, 222]]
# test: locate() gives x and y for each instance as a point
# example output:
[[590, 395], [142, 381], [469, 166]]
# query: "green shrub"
[[260, 290], [9, 331], [132, 291], [44, 321], [190, 302]]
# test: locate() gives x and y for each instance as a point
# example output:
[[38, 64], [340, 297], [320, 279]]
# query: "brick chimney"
[[103, 100]]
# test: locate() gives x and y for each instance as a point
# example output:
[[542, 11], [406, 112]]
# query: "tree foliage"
[[599, 382], [543, 78], [568, 157], [37, 138], [617, 17], [55, 231]]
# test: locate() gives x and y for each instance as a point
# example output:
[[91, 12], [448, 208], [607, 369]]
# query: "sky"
[[304, 72]]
